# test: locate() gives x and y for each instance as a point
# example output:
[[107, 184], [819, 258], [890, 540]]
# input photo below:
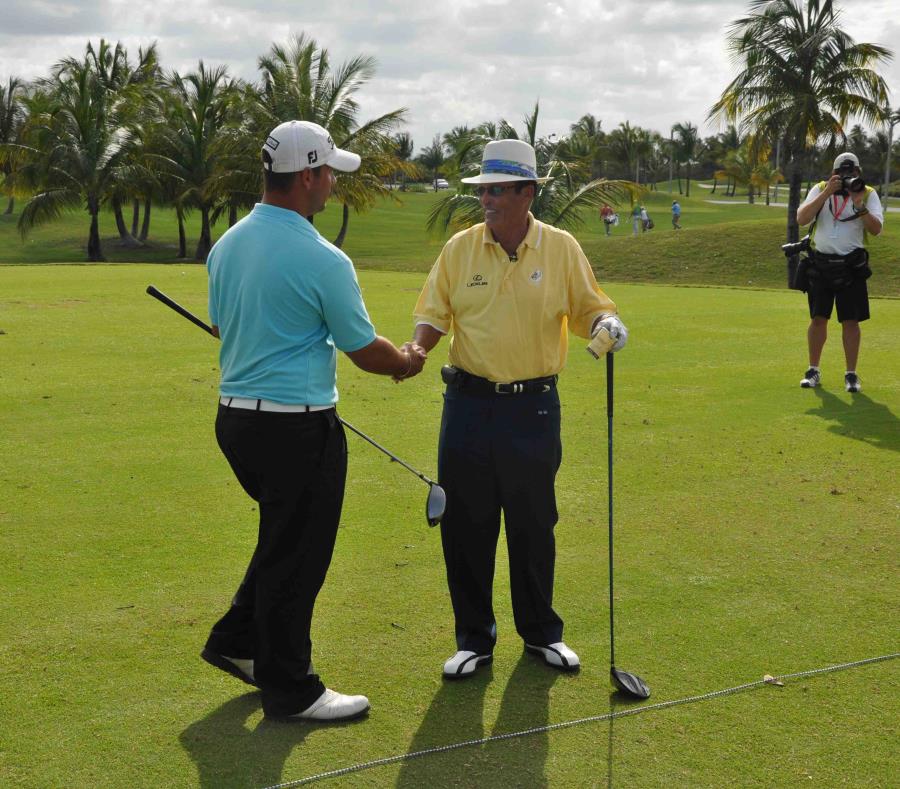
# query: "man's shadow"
[[862, 419], [456, 715], [230, 754]]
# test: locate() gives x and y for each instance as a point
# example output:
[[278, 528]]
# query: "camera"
[[849, 181], [796, 247]]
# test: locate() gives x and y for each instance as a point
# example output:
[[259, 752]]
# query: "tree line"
[[107, 130]]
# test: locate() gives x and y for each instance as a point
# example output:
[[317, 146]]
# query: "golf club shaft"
[[392, 456], [609, 420], [157, 294]]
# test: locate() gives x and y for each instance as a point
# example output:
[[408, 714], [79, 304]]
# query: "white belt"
[[254, 404]]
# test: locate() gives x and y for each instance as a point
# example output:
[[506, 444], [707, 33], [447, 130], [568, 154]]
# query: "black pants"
[[500, 452], [295, 466]]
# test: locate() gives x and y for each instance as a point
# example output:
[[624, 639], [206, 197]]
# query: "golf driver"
[[436, 502], [630, 684]]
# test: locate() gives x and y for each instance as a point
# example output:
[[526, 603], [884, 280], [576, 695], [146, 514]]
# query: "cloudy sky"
[[450, 63]]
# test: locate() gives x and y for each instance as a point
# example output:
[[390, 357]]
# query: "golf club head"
[[630, 684], [435, 505]]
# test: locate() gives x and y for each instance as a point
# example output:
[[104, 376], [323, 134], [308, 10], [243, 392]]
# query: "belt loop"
[[258, 404], [229, 401]]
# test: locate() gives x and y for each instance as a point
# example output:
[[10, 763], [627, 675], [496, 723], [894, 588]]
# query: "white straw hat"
[[506, 160]]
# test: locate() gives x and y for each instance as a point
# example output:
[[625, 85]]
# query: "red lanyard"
[[834, 198]]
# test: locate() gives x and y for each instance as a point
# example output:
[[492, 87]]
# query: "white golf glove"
[[616, 329]]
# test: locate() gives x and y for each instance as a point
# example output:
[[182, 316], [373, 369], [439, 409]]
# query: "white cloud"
[[653, 63]]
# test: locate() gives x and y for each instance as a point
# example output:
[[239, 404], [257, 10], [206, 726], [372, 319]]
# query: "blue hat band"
[[506, 167]]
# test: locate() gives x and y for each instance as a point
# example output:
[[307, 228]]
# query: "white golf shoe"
[[557, 655], [238, 667], [334, 706], [464, 664]]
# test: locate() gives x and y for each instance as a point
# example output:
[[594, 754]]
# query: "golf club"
[[436, 502], [630, 684]]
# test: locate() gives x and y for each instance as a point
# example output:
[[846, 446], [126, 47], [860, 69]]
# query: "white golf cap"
[[845, 157], [506, 160], [299, 145]]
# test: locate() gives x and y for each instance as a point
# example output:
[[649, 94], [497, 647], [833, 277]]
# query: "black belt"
[[460, 379]]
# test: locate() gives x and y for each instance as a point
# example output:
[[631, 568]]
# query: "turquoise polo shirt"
[[285, 300]]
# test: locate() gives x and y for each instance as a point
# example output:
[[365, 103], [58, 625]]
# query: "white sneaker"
[[334, 706], [464, 664], [557, 655]]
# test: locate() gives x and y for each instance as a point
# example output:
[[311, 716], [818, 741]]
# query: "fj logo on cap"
[[313, 157]]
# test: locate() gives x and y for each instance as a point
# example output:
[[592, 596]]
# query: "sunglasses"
[[494, 190]]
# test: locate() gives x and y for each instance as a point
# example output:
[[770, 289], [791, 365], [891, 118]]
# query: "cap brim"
[[500, 178], [344, 161]]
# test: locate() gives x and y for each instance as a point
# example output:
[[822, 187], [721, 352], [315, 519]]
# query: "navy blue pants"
[[500, 453], [295, 467]]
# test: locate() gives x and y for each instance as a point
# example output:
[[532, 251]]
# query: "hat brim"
[[500, 178], [344, 161]]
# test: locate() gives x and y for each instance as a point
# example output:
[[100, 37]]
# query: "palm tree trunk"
[[9, 205], [795, 177], [145, 226], [342, 233], [715, 184], [204, 244], [127, 239], [182, 241], [688, 179], [94, 248], [232, 215], [135, 216]]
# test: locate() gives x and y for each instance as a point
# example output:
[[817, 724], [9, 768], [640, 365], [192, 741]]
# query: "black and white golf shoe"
[[852, 383], [556, 655], [464, 664], [237, 667], [812, 379]]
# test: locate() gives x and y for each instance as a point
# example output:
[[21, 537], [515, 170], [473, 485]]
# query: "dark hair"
[[522, 184], [276, 182]]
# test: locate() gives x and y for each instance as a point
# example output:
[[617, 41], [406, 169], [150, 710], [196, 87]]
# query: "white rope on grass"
[[402, 757]]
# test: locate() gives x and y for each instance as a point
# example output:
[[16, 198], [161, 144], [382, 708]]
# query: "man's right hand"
[[833, 184], [415, 358]]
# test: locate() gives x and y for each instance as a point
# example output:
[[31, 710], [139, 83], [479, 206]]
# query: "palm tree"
[[192, 144], [403, 150], [12, 122], [432, 157], [891, 120], [765, 176], [686, 147], [78, 145], [802, 77], [299, 83]]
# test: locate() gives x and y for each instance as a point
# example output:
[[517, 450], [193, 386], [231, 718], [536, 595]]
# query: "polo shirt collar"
[[285, 215], [532, 236]]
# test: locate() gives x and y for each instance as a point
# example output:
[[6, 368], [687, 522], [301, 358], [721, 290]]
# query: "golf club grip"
[[158, 294]]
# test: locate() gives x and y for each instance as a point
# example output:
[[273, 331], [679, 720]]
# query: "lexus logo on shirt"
[[477, 281]]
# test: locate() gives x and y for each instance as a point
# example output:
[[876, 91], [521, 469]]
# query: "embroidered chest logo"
[[477, 281], [536, 276]]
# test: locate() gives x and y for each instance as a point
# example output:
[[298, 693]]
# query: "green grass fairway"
[[756, 534]]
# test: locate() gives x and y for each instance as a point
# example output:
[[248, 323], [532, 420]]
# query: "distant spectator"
[[645, 220], [636, 218], [676, 215], [608, 217]]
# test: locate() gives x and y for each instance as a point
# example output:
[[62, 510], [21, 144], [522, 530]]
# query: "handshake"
[[415, 356]]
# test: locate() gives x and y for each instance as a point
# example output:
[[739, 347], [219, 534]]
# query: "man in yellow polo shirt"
[[507, 290]]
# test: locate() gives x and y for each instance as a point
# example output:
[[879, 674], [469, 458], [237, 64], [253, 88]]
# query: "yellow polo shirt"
[[509, 320]]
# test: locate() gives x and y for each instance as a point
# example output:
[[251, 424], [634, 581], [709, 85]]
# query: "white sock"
[[850, 372], [813, 367]]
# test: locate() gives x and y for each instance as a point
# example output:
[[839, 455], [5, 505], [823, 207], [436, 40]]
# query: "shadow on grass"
[[862, 419], [617, 703], [456, 715], [229, 754]]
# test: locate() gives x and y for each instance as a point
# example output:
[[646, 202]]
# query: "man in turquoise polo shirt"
[[283, 301]]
